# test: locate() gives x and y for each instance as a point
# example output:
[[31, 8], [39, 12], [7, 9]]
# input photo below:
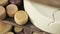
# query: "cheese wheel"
[[18, 29], [3, 2], [11, 10], [4, 27], [9, 33], [2, 12], [21, 17]]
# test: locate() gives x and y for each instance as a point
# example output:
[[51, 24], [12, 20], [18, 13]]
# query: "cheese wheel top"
[[3, 2], [21, 15], [9, 33], [2, 10], [4, 27], [11, 9], [18, 29]]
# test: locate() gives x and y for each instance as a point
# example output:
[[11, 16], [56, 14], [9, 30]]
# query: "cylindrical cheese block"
[[4, 27], [21, 17], [2, 12], [3, 2], [9, 33], [18, 29], [11, 10]]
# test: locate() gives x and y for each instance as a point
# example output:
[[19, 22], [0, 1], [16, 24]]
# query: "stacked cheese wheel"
[[11, 10], [2, 12], [21, 17], [9, 33], [4, 27], [3, 2]]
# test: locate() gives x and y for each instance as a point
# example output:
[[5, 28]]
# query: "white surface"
[[41, 16]]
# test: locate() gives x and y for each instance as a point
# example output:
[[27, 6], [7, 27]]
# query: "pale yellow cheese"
[[9, 33], [11, 10], [21, 17], [2, 12], [4, 27], [18, 29], [3, 2]]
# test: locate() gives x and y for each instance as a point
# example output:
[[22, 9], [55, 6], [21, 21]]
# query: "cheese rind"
[[3, 2], [18, 29], [4, 27], [11, 10], [9, 33], [2, 12], [21, 17]]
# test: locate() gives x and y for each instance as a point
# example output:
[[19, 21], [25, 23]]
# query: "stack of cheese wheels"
[[2, 12], [4, 27], [21, 17], [3, 2], [11, 10]]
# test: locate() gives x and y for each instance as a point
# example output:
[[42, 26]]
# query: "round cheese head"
[[11, 10], [4, 27], [2, 12], [3, 2], [21, 17], [9, 33]]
